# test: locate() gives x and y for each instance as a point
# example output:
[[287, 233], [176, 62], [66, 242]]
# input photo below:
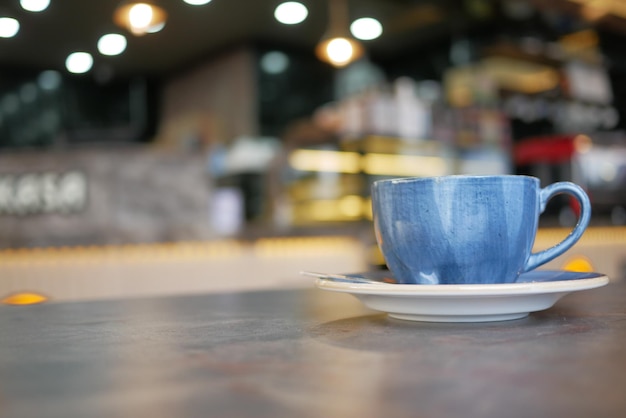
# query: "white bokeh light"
[[8, 27], [112, 44], [366, 28], [291, 13], [79, 62], [155, 28], [274, 62], [197, 2], [140, 16], [35, 5], [339, 50]]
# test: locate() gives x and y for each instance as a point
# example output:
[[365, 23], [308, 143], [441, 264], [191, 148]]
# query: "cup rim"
[[457, 177]]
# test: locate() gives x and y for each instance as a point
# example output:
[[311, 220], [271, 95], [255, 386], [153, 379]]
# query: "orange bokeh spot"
[[579, 264], [24, 298]]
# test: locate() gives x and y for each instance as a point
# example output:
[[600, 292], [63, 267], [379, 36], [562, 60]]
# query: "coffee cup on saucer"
[[466, 229]]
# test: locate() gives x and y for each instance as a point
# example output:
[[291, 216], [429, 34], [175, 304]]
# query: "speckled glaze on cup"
[[466, 229]]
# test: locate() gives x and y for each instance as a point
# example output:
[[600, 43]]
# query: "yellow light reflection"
[[322, 210], [404, 165], [24, 298], [536, 82], [372, 163], [351, 206], [327, 161], [579, 264], [518, 75], [346, 208], [579, 40], [595, 9]]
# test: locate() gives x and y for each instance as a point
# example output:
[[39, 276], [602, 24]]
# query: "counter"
[[308, 353], [259, 262]]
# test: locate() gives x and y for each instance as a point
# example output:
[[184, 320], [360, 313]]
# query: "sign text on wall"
[[42, 193]]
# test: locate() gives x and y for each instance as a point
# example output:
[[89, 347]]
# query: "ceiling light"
[[79, 62], [35, 5], [140, 17], [112, 44], [338, 51], [337, 47], [8, 27], [291, 13], [366, 28], [197, 2]]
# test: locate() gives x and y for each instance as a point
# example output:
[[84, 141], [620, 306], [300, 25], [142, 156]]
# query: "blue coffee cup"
[[466, 229]]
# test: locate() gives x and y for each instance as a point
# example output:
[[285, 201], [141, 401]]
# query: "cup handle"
[[545, 194]]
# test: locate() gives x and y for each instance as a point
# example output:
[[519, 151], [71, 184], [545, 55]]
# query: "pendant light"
[[337, 47], [140, 17]]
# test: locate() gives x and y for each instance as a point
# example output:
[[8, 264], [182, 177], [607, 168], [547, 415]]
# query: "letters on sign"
[[42, 193]]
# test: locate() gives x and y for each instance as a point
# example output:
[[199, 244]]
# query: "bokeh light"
[[49, 80], [8, 27], [140, 16], [112, 44], [197, 2], [35, 5], [339, 50], [291, 13], [274, 62], [366, 28], [79, 62]]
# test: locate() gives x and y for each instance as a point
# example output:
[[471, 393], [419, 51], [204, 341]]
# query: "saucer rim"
[[447, 290]]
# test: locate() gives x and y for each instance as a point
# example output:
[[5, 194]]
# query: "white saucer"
[[534, 291]]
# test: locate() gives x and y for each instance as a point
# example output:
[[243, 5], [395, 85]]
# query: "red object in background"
[[550, 149], [553, 149]]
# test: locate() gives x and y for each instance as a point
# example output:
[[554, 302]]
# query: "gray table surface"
[[308, 353]]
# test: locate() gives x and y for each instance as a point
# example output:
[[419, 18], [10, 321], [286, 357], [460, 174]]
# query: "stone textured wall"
[[102, 196]]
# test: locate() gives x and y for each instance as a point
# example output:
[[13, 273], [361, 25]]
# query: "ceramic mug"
[[466, 229]]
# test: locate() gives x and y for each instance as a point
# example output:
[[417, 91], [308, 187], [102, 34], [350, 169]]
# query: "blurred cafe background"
[[177, 146]]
